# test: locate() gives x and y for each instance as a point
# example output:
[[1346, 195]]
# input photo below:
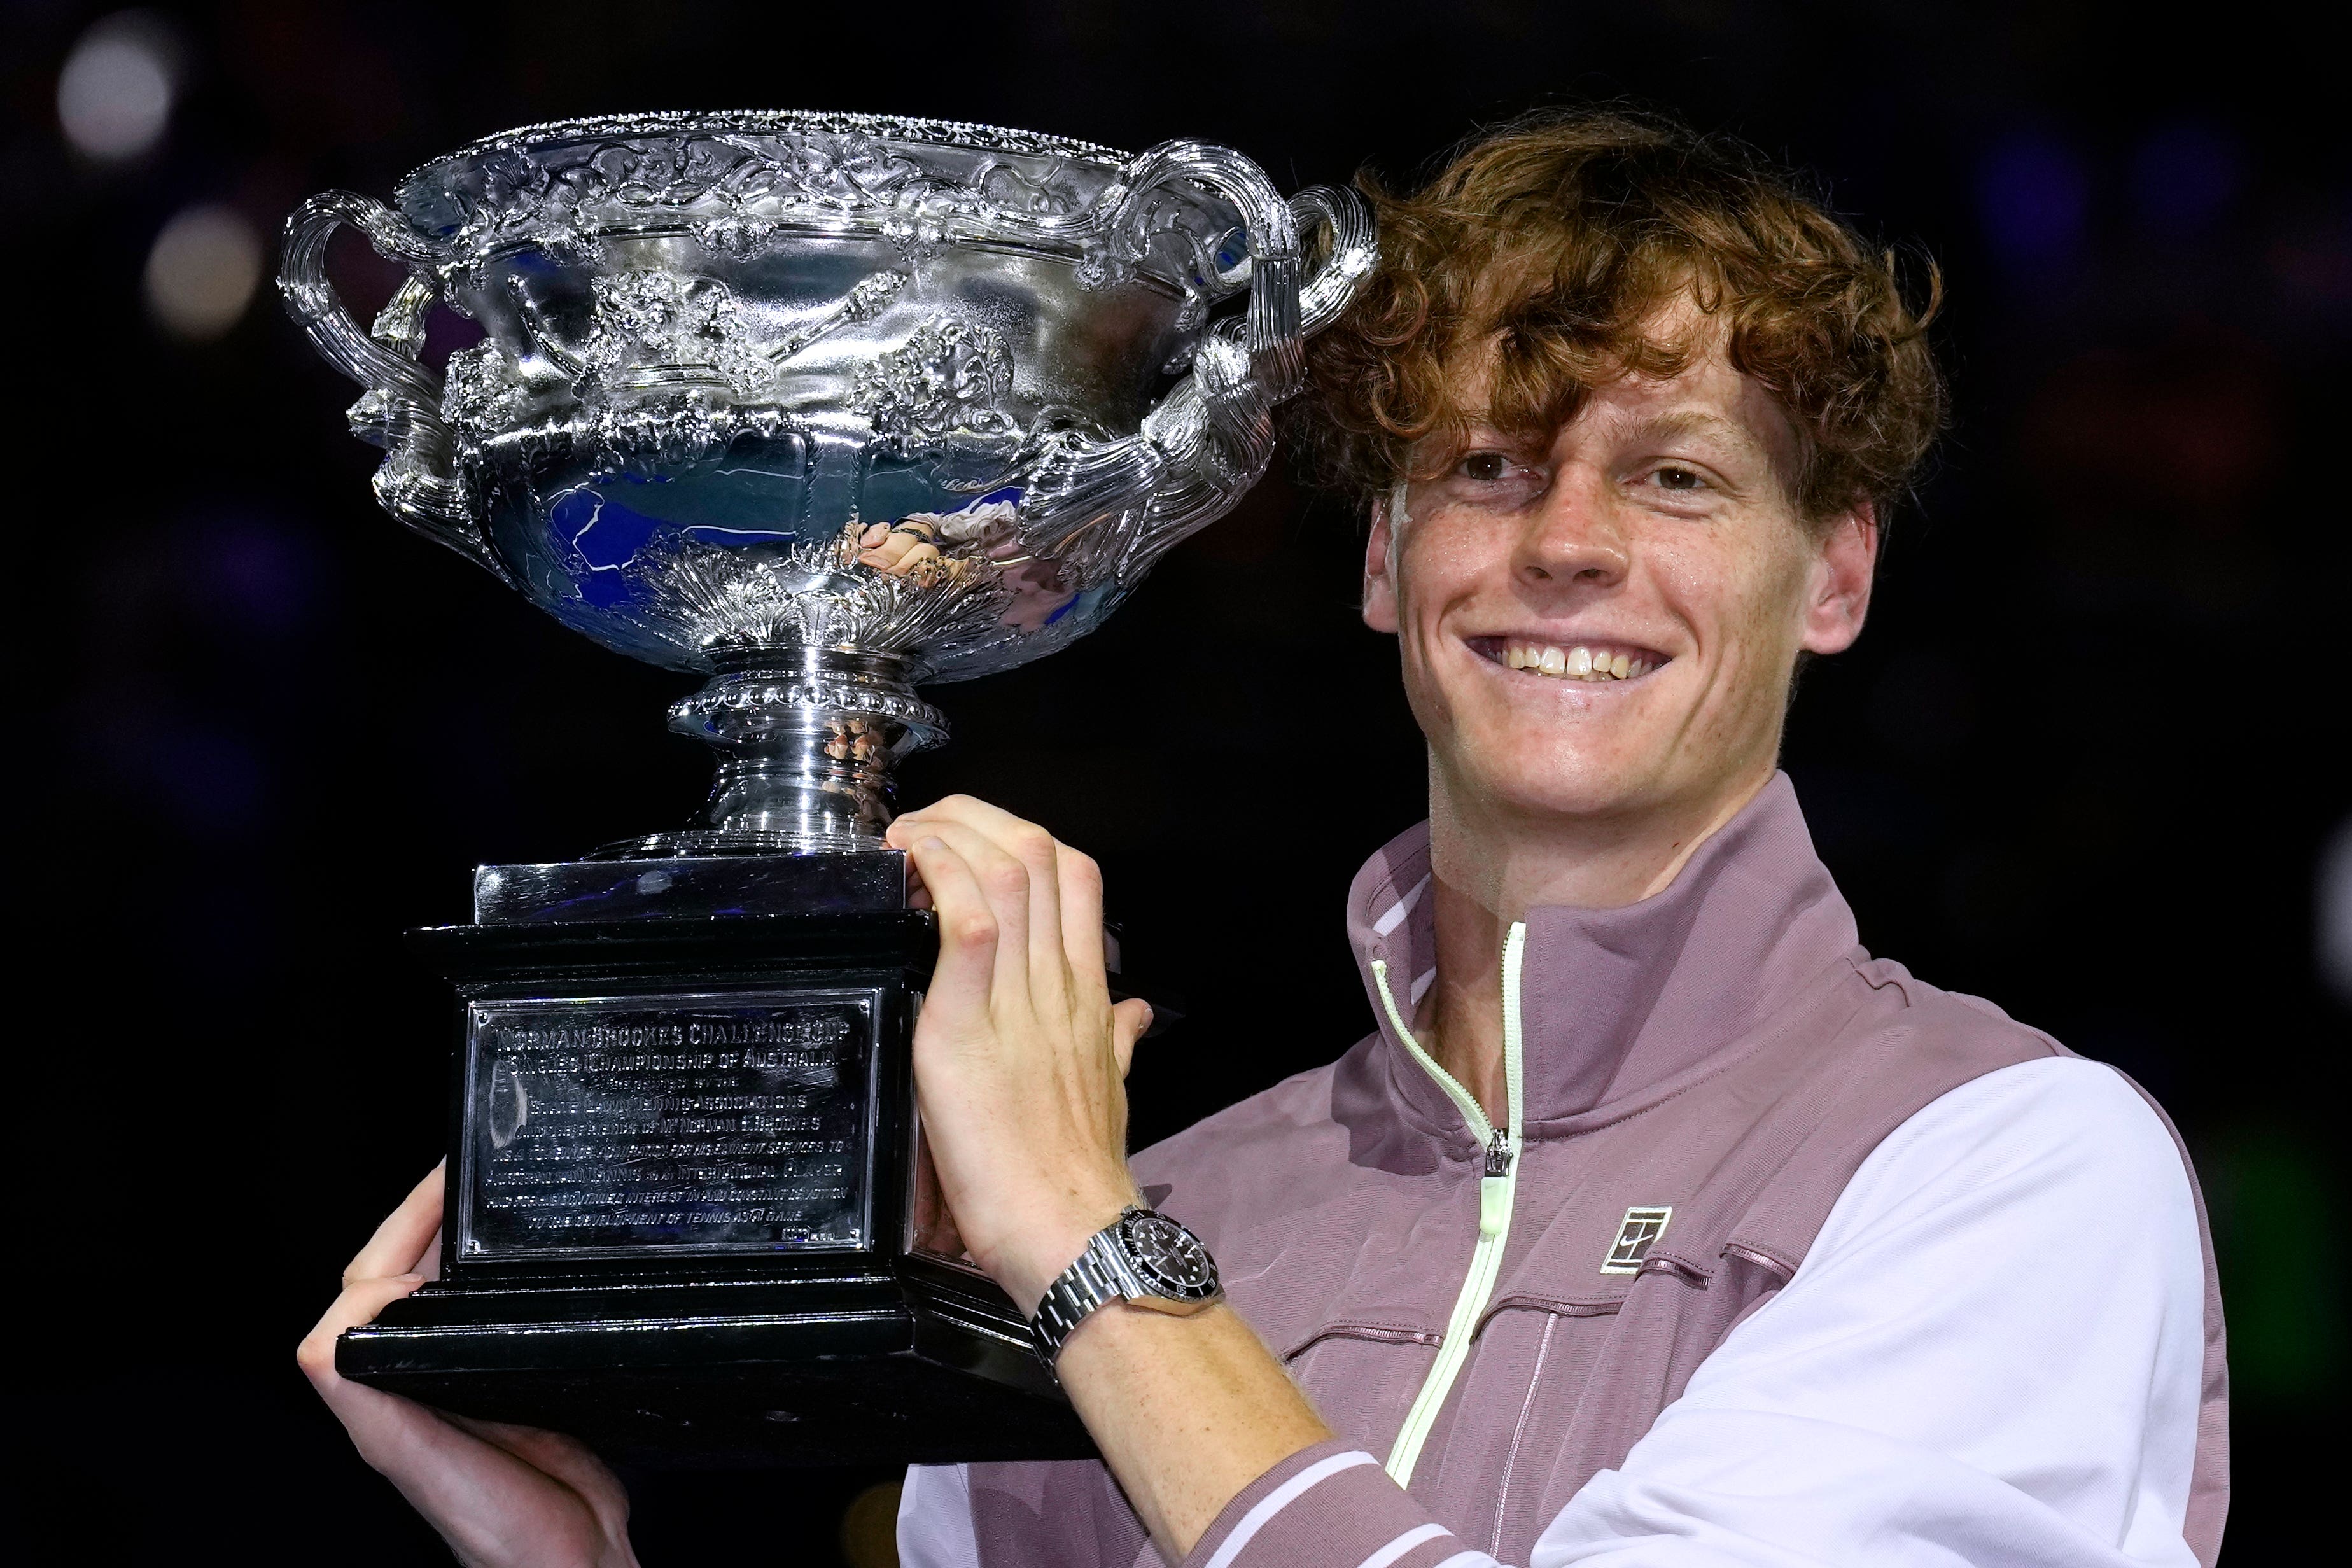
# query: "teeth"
[[1574, 663]]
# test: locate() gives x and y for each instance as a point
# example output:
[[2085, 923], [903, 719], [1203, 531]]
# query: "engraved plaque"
[[728, 1122]]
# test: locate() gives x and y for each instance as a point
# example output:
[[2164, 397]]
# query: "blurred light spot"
[[2034, 197], [870, 1528], [2184, 178], [114, 96], [2335, 913], [202, 273]]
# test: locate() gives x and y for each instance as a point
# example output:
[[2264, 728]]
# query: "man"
[[1657, 1222]]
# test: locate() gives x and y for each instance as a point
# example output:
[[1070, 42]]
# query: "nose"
[[1572, 539]]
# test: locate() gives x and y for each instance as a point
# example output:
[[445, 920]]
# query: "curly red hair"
[[1554, 243]]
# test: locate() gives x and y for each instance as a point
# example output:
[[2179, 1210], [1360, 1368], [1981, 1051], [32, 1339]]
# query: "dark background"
[[2084, 763]]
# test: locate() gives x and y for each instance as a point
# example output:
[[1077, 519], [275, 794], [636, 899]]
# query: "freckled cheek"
[[1446, 546], [1723, 609], [1693, 589], [1437, 566]]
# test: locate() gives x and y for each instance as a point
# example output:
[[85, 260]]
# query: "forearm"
[[1187, 1412]]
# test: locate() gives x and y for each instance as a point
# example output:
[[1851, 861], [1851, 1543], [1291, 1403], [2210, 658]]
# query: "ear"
[[1837, 595], [1379, 582]]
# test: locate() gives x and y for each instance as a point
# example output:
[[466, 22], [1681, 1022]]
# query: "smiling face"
[[1606, 630]]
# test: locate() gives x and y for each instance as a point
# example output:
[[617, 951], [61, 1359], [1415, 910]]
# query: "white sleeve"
[[935, 1518], [1992, 1355]]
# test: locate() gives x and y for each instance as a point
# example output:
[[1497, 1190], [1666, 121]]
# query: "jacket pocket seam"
[[1371, 1333]]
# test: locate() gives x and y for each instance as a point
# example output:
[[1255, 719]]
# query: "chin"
[[1562, 781]]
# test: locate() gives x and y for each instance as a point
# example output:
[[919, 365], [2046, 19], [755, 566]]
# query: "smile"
[[1575, 662]]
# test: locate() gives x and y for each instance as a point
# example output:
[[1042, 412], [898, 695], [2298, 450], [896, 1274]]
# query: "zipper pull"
[[1494, 1213]]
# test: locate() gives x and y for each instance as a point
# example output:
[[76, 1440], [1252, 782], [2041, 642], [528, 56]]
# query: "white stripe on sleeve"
[[1280, 1498], [1402, 1544]]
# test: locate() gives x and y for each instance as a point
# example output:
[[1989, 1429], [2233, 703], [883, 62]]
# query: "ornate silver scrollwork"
[[400, 406], [771, 390], [949, 382]]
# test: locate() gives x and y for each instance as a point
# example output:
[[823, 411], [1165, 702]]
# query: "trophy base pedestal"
[[687, 1219], [877, 1370]]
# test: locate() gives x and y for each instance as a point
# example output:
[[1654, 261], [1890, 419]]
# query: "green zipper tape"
[[1496, 1194]]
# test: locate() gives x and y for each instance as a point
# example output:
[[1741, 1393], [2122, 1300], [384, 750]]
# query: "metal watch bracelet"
[[1103, 1273]]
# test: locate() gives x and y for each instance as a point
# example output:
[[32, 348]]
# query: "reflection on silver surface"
[[825, 405]]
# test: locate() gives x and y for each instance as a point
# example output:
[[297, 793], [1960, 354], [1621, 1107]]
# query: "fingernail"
[[934, 844], [412, 1279]]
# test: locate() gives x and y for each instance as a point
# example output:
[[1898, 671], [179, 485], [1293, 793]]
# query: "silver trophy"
[[822, 407], [825, 405]]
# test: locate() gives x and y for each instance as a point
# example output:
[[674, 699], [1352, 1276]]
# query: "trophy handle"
[[1354, 250], [400, 407], [1211, 438]]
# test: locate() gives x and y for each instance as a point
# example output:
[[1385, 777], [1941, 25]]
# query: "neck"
[[1490, 865]]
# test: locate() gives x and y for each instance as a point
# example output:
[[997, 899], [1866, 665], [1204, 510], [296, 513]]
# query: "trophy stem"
[[806, 739]]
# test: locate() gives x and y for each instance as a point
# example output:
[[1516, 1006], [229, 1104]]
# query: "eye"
[[1485, 468], [1673, 476]]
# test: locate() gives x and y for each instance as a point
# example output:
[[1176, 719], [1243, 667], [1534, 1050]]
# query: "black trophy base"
[[686, 1217], [913, 1368]]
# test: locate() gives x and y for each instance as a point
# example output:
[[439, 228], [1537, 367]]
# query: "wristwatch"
[[1143, 1258]]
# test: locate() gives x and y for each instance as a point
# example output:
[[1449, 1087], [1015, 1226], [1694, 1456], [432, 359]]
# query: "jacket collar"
[[1621, 1007]]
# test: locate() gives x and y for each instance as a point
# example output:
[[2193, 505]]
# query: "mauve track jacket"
[[1492, 1318]]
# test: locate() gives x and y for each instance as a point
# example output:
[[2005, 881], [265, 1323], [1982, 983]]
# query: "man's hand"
[[1019, 1053], [1019, 1059], [501, 1495]]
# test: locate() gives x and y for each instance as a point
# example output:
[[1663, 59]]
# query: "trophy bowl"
[[824, 405]]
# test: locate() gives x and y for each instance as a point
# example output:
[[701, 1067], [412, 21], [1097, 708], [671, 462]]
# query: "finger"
[[361, 1303], [968, 930], [1082, 924], [901, 836], [398, 1243], [1041, 943], [1008, 887], [970, 810], [1128, 1022], [490, 1505], [565, 1458], [885, 551], [955, 816]]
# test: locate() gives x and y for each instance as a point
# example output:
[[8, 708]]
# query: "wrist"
[[1029, 1261]]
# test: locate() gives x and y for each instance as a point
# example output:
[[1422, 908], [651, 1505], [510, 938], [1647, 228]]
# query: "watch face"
[[1170, 1256]]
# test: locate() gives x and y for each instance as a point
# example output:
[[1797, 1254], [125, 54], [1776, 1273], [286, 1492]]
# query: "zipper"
[[1496, 1188]]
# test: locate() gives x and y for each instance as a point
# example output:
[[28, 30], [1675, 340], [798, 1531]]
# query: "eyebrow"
[[1692, 422]]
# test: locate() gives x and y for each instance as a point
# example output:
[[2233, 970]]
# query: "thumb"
[[1128, 1020], [359, 1303]]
